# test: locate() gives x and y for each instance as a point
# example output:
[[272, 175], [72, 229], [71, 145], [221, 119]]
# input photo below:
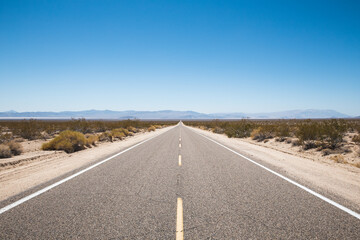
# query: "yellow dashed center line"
[[179, 220]]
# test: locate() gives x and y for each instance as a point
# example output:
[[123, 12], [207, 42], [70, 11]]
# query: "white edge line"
[[35, 194], [345, 209]]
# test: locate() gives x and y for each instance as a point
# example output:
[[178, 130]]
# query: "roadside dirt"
[[34, 166], [320, 173]]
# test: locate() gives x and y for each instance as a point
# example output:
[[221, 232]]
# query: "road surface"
[[178, 185]]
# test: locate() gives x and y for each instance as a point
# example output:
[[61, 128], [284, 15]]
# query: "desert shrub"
[[356, 139], [6, 137], [218, 130], [151, 128], [240, 129], [295, 142], [106, 136], [28, 129], [69, 141], [332, 133], [80, 125], [203, 128], [262, 133], [91, 140], [308, 131], [310, 144], [338, 159], [280, 139], [283, 130], [118, 133], [132, 129], [15, 148], [5, 151]]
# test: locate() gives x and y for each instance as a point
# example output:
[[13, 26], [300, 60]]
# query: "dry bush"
[[282, 131], [119, 133], [151, 128], [338, 159], [218, 130], [32, 129], [5, 151], [106, 136], [262, 133], [6, 137], [91, 140], [356, 139], [69, 141], [28, 129], [15, 148], [239, 129], [132, 129]]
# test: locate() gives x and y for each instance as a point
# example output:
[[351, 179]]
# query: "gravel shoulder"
[[339, 181], [35, 167]]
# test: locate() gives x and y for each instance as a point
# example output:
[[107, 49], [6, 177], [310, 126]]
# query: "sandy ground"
[[33, 167], [318, 173]]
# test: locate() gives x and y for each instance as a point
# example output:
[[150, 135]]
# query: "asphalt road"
[[150, 192]]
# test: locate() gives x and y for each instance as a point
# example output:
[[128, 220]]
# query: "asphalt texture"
[[134, 196]]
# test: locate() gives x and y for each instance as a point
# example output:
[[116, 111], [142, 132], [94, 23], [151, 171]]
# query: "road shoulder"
[[24, 177], [340, 183]]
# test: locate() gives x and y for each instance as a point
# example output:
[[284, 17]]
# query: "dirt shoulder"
[[321, 174], [35, 167]]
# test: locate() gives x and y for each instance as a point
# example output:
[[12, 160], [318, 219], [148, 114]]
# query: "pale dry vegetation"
[[68, 135], [335, 137]]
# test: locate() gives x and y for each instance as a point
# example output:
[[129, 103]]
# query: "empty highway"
[[178, 185]]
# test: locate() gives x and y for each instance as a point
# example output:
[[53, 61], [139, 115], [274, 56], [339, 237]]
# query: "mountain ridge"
[[172, 114]]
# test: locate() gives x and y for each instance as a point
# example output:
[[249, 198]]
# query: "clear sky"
[[206, 56]]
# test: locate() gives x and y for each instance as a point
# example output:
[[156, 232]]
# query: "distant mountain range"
[[169, 114]]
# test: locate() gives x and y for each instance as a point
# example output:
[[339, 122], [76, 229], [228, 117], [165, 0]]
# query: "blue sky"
[[206, 56]]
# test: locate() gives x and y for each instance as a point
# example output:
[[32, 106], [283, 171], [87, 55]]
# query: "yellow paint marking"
[[179, 220], [180, 160]]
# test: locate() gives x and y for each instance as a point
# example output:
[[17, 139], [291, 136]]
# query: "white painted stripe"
[[35, 194], [345, 209], [179, 220]]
